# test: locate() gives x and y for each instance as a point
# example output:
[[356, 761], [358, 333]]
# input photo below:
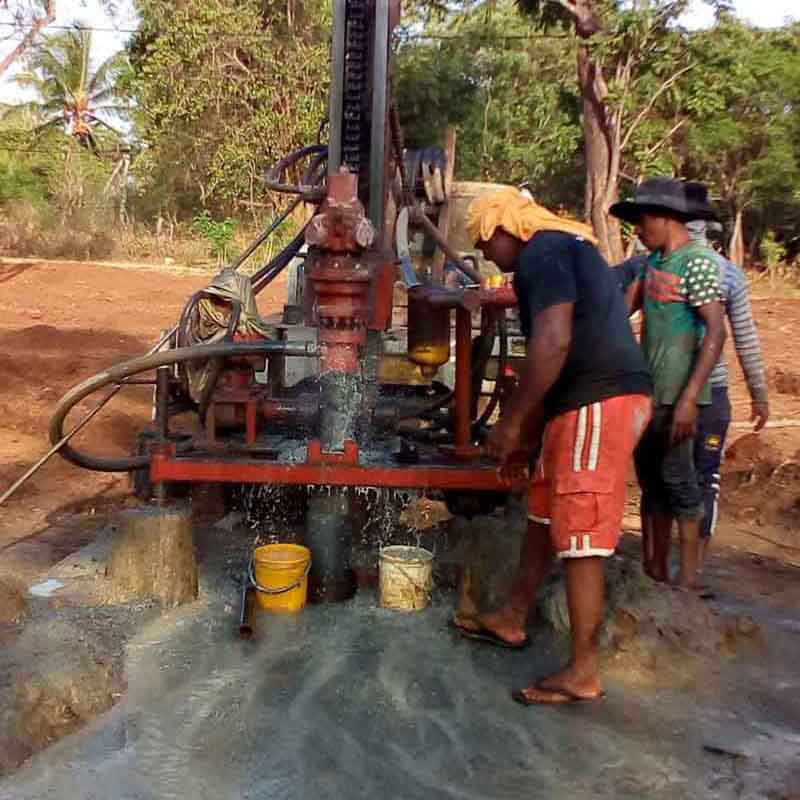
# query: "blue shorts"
[[667, 473], [709, 444]]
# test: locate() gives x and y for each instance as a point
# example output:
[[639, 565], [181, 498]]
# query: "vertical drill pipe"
[[162, 402], [461, 422], [380, 82], [336, 95], [162, 422]]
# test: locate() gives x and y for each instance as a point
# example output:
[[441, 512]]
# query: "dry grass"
[[26, 233]]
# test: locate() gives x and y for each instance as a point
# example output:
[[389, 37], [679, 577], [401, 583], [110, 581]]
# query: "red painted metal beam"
[[185, 468]]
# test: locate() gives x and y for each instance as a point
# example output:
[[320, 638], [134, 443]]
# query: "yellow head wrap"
[[518, 215]]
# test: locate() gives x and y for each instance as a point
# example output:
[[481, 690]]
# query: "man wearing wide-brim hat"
[[682, 339]]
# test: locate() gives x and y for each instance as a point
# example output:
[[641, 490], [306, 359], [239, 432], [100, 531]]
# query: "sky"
[[765, 13]]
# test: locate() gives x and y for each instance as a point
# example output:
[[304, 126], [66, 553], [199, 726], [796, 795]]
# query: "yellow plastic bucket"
[[279, 573]]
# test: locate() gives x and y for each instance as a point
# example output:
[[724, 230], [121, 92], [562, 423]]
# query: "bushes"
[[26, 231]]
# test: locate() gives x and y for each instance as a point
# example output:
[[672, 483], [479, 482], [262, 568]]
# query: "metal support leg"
[[461, 421]]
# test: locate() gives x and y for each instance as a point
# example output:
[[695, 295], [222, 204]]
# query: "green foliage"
[[512, 99], [223, 90], [743, 137], [219, 235], [71, 94], [772, 251]]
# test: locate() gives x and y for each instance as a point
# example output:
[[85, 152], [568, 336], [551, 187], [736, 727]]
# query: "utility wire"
[[405, 37]]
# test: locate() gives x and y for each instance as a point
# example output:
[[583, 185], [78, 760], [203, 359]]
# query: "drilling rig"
[[309, 402]]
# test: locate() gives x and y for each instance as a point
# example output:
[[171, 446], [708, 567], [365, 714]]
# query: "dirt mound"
[[784, 381], [756, 454], [12, 601], [56, 676], [645, 621], [646, 624]]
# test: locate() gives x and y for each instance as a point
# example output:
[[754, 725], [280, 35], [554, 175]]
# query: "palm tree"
[[71, 94]]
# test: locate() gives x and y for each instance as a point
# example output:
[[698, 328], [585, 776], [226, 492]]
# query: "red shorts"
[[579, 485]]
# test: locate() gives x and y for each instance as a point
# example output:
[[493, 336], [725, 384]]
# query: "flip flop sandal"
[[562, 697], [487, 636]]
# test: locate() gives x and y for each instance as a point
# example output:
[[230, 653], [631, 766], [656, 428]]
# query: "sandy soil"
[[61, 322]]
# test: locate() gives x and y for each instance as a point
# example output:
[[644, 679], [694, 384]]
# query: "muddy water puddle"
[[353, 701]]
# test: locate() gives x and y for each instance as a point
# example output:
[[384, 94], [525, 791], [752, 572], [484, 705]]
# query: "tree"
[[27, 18], [223, 90], [743, 136], [70, 93], [623, 50], [502, 84]]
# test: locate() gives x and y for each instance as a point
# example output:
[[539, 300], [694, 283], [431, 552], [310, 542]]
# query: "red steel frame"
[[458, 469], [329, 469]]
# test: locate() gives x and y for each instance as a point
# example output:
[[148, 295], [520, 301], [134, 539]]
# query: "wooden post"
[[153, 556]]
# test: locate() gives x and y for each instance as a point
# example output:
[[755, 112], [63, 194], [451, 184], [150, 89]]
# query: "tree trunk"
[[30, 36], [736, 245], [602, 160], [153, 556]]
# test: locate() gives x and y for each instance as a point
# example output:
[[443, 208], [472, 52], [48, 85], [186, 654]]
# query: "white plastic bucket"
[[406, 577]]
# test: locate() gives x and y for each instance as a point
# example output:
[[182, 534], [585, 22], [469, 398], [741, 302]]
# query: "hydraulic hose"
[[274, 177], [264, 276], [118, 373], [502, 362]]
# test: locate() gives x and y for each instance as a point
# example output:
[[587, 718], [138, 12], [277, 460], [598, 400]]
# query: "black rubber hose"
[[119, 372], [502, 362], [266, 234], [274, 177], [264, 276]]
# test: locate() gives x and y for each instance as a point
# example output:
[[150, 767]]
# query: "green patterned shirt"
[[675, 287]]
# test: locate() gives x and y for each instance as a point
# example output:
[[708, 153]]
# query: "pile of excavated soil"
[[784, 381], [56, 675], [761, 489], [647, 625]]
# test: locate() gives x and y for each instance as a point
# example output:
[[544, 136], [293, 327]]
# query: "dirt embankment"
[[59, 324]]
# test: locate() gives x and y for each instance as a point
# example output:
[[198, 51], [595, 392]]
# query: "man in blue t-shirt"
[[584, 392]]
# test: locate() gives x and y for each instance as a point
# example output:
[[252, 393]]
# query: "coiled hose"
[[120, 372]]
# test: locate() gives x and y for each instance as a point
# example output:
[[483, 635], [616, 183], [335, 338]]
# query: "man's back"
[[604, 359]]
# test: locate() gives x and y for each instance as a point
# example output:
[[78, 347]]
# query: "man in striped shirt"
[[715, 419]]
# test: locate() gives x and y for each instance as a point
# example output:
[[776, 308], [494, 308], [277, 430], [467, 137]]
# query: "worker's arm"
[[684, 418], [630, 275], [634, 296], [547, 352], [748, 347]]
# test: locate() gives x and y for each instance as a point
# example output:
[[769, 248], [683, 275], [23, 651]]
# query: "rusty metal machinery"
[[340, 425]]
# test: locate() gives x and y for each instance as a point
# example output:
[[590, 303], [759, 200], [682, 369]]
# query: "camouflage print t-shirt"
[[675, 288]]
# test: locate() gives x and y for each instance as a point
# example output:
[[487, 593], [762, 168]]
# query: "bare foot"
[[687, 584], [507, 627], [467, 622], [657, 573]]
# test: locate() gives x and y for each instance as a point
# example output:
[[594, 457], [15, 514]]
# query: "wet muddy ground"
[[355, 701]]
